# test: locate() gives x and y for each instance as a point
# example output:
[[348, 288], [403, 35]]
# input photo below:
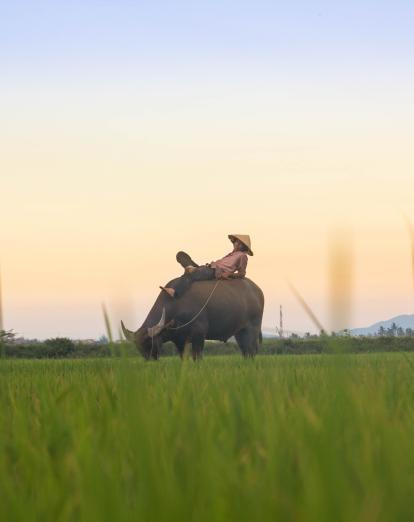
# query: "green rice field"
[[311, 437]]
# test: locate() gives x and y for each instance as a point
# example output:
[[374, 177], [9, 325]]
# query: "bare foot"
[[169, 291]]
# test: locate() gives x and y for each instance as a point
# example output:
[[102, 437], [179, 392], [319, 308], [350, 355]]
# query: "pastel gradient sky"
[[130, 130]]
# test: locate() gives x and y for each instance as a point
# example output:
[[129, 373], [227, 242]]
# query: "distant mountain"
[[405, 321]]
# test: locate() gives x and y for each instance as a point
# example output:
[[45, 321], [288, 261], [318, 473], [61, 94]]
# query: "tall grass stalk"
[[308, 310], [410, 229], [1, 304], [341, 263]]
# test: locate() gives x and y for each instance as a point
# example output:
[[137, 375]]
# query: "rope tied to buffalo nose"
[[198, 313]]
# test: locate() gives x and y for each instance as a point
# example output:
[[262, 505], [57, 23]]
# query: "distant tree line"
[[62, 347], [59, 347], [395, 331]]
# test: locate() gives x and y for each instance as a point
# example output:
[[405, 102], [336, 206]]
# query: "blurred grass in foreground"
[[316, 438]]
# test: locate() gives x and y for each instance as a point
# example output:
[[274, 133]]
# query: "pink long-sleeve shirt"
[[233, 262]]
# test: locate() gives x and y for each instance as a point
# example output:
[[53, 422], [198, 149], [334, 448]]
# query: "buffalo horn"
[[130, 336], [158, 328]]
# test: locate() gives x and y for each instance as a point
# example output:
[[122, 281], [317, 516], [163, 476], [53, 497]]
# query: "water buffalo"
[[234, 307]]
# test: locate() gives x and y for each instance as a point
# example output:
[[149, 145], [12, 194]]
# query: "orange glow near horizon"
[[98, 201]]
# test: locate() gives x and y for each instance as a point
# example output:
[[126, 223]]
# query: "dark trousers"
[[202, 273]]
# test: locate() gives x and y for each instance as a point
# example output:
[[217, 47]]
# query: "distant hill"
[[405, 321]]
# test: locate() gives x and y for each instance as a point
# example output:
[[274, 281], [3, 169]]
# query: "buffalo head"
[[147, 339]]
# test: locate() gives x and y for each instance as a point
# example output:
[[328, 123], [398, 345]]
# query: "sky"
[[131, 130]]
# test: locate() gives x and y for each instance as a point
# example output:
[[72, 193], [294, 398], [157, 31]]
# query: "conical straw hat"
[[245, 239]]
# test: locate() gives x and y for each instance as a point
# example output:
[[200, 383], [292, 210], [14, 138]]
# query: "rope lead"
[[195, 317]]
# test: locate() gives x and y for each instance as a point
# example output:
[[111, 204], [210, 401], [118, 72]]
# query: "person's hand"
[[225, 275]]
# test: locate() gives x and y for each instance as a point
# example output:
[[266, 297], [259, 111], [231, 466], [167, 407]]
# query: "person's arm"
[[241, 270]]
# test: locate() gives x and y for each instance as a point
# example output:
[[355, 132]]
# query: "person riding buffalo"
[[231, 266]]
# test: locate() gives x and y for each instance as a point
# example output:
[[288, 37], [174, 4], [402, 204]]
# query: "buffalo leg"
[[197, 345], [247, 340], [255, 332], [180, 345]]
